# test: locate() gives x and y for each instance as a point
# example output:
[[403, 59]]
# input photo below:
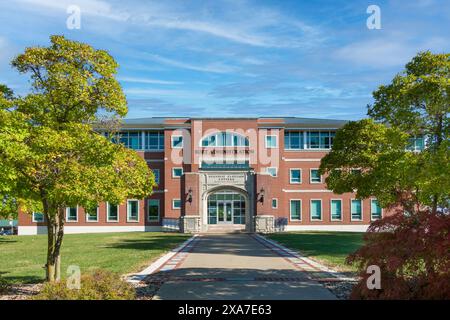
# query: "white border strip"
[[328, 227], [137, 277], [306, 191]]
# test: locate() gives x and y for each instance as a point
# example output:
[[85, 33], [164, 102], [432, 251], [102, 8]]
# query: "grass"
[[23, 257], [329, 248]]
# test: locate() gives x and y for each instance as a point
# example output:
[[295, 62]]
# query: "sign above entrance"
[[227, 179]]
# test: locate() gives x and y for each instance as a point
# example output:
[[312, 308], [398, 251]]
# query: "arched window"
[[225, 139]]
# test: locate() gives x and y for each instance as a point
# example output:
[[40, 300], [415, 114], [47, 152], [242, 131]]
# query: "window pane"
[[113, 214], [375, 209], [356, 210], [38, 217], [72, 214], [133, 208], [316, 209], [336, 209], [274, 203], [91, 214], [295, 209], [153, 210], [177, 204], [295, 176], [177, 141], [315, 176]]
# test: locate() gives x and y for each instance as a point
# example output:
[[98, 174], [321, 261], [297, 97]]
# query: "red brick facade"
[[198, 182]]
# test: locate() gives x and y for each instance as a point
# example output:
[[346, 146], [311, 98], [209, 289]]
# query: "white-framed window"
[[156, 174], [176, 204], [295, 209], [416, 143], [319, 139], [356, 210], [177, 142], [112, 212], [177, 172], [271, 141], [314, 175], [274, 203], [153, 210], [336, 209], [376, 212], [295, 176], [315, 209], [37, 217], [272, 171], [132, 210], [92, 215], [72, 214]]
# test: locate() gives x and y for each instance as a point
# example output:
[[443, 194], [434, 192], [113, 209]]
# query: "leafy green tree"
[[52, 157], [371, 157]]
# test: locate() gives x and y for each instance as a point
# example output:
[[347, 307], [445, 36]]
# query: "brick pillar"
[[191, 218]]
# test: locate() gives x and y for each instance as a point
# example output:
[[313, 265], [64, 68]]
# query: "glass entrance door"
[[224, 212]]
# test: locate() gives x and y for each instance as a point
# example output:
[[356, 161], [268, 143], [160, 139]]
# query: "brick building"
[[253, 174]]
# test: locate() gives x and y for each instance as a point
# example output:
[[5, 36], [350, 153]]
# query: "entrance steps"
[[226, 228]]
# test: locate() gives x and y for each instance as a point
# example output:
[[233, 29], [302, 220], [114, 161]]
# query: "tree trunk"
[[55, 234]]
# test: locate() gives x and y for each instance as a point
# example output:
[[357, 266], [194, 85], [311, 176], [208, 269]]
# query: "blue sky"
[[237, 58]]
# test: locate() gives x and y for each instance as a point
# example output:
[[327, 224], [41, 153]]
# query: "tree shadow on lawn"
[[159, 243], [21, 279]]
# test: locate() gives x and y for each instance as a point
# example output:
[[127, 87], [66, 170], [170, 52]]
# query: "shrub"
[[5, 286], [413, 253], [98, 285]]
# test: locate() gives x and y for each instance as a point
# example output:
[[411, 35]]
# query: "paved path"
[[234, 266]]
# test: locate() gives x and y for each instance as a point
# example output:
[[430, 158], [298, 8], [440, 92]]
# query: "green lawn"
[[329, 248], [23, 257]]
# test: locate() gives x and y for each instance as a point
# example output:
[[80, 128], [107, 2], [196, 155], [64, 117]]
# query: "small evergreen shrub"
[[5, 286], [97, 285]]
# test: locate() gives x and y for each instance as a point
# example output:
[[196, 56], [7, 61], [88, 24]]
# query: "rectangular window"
[[295, 176], [38, 217], [315, 176], [272, 171], [177, 172], [316, 209], [296, 209], [375, 209], [153, 210], [156, 174], [271, 141], [72, 214], [176, 204], [130, 139], [112, 212], [133, 210], [92, 215], [356, 209], [177, 142], [293, 140], [154, 140], [274, 203], [319, 139], [416, 144], [336, 209]]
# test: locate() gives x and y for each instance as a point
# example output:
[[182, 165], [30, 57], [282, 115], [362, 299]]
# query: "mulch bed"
[[21, 292]]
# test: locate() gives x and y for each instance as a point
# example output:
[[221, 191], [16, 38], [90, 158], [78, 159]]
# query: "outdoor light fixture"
[[261, 195], [189, 195]]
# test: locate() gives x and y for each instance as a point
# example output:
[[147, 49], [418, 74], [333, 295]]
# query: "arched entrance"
[[226, 207]]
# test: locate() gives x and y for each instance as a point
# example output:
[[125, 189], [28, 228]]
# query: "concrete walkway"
[[234, 266]]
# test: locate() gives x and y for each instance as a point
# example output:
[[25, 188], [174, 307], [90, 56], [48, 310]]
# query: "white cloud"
[[148, 81], [250, 25], [388, 51], [211, 67]]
